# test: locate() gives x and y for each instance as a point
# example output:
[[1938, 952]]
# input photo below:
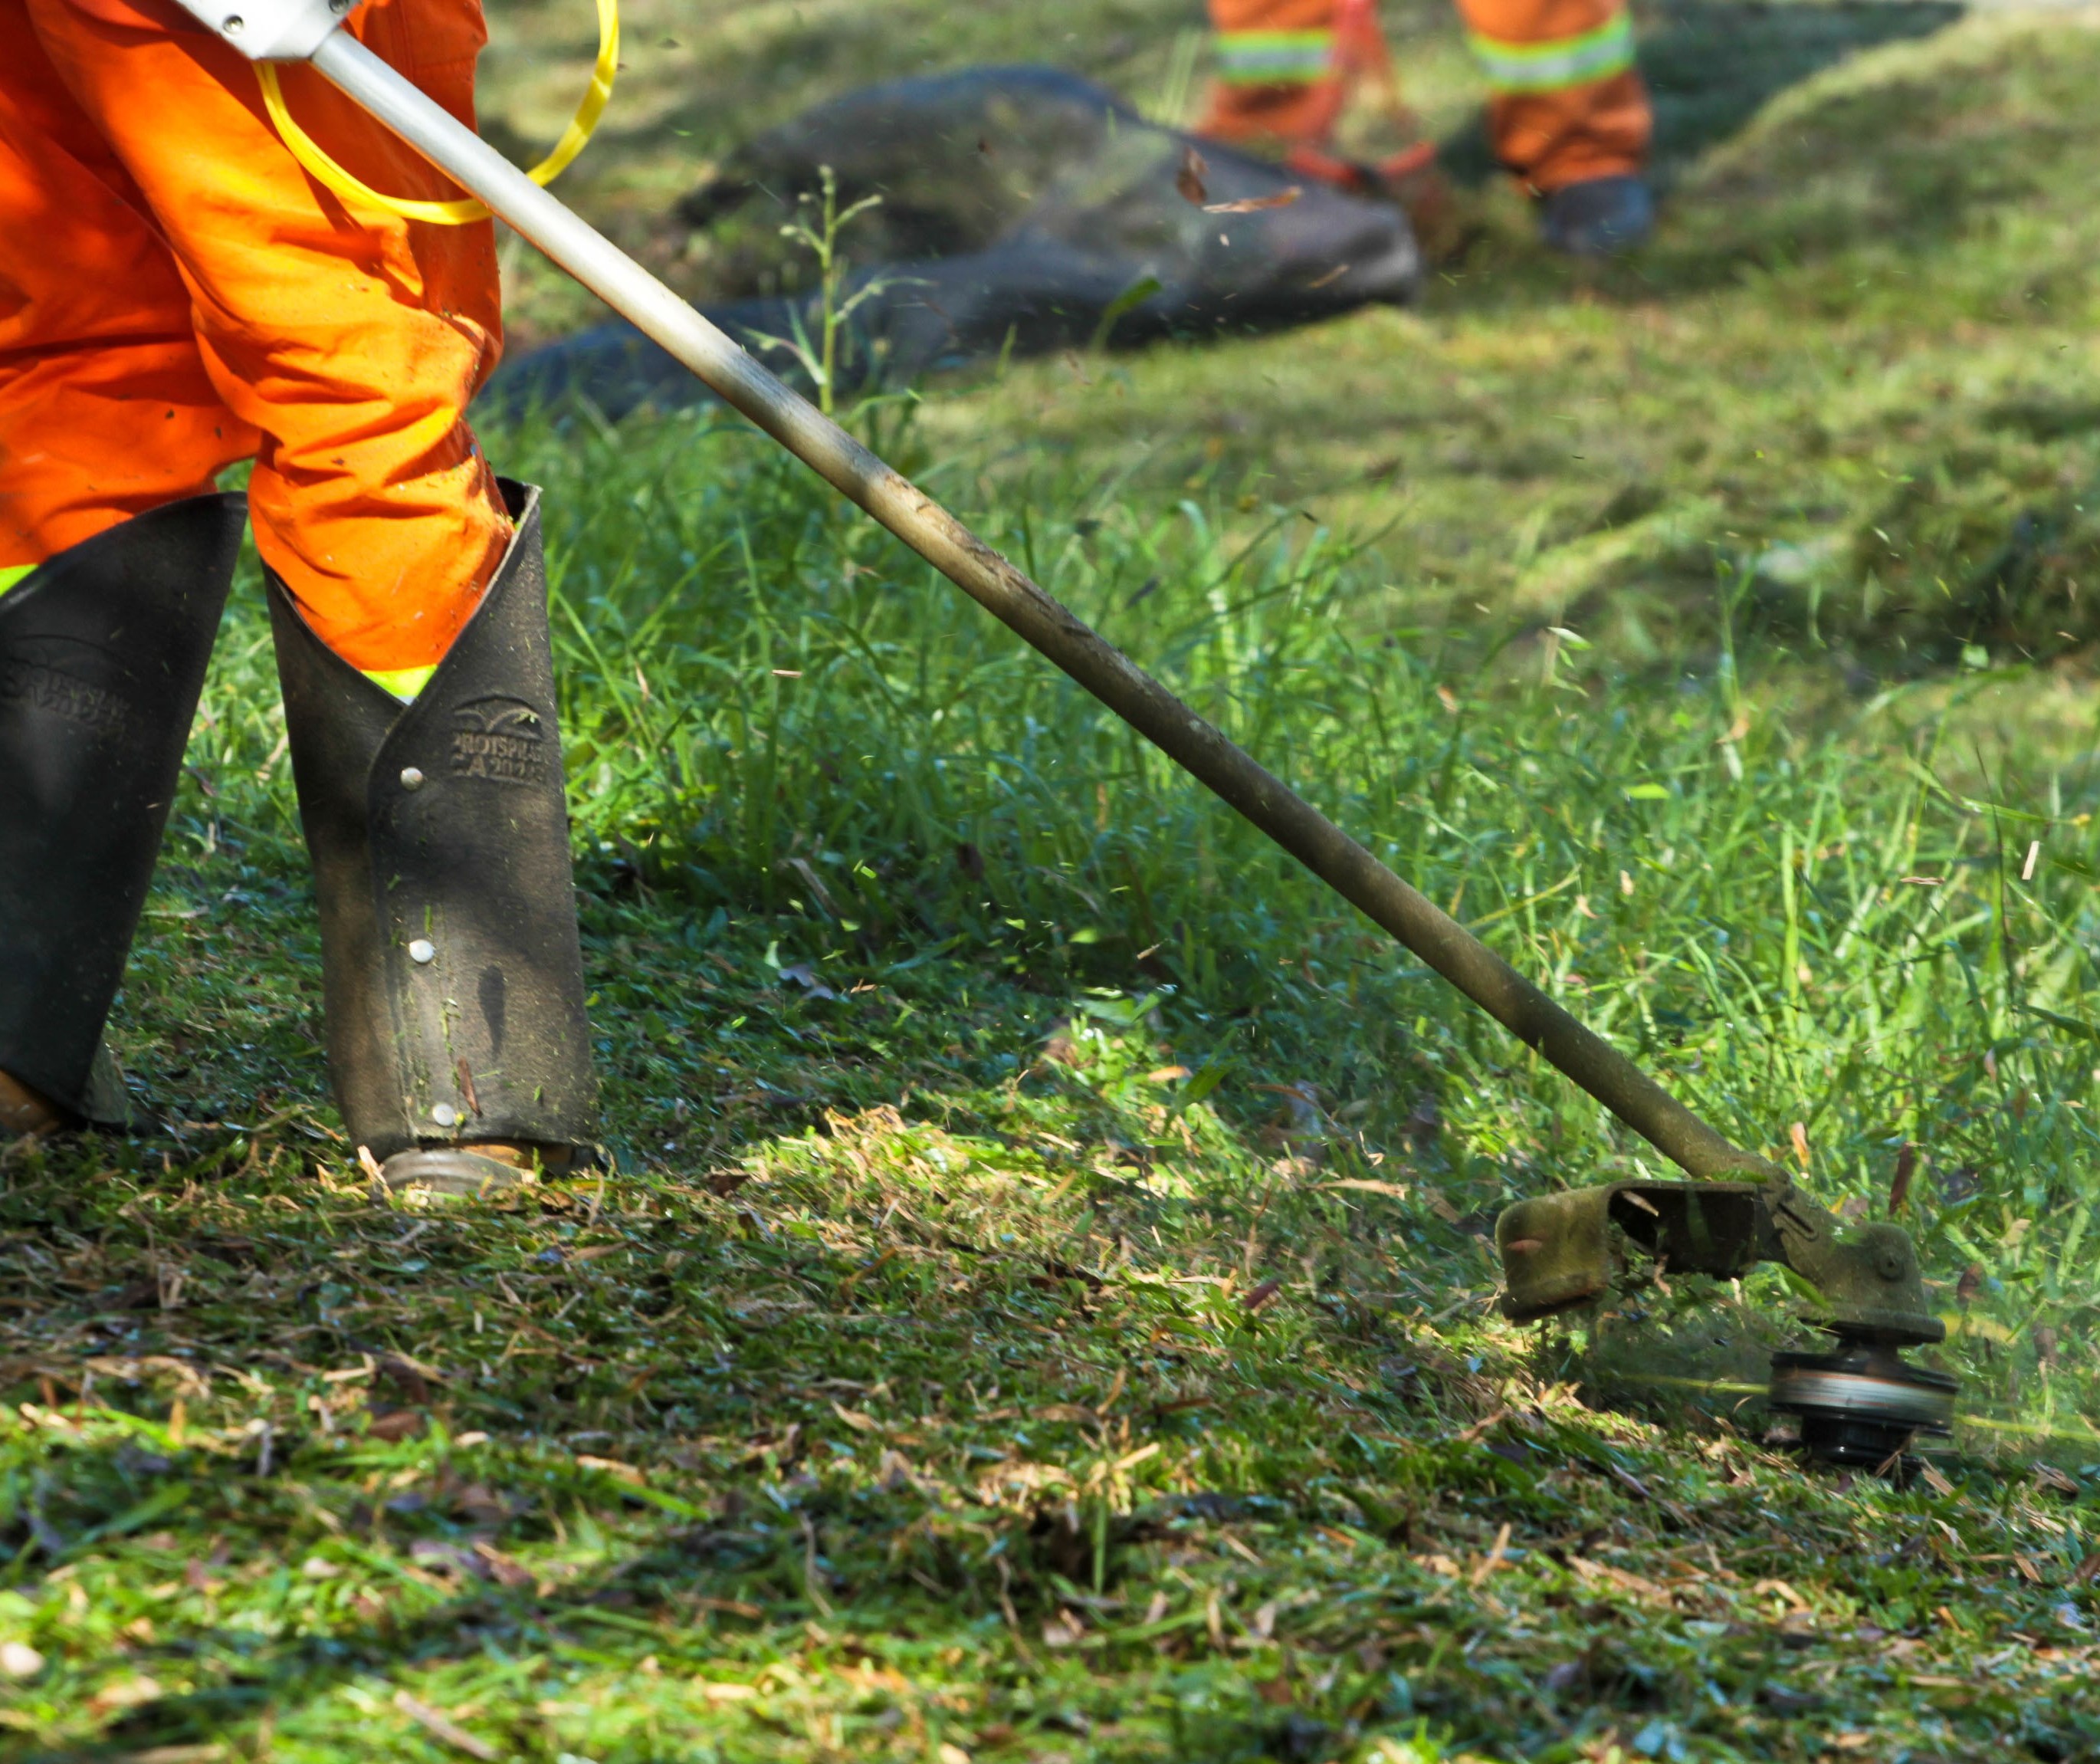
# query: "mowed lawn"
[[1033, 1301]]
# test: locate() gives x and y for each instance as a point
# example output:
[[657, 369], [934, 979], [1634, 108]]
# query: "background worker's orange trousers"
[[177, 295], [1567, 103]]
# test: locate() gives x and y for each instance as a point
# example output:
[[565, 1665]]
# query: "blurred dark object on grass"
[[1023, 211]]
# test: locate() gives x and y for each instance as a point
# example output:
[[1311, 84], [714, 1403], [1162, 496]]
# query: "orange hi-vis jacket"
[[1567, 105], [176, 295]]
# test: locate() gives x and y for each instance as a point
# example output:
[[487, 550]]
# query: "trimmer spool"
[[1862, 1405]]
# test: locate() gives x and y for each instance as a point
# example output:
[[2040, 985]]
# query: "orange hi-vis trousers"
[[176, 295], [1567, 104]]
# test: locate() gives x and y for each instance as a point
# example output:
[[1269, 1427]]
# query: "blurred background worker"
[[1570, 118], [177, 296]]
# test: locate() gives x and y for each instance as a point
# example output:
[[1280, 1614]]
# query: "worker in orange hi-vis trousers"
[[177, 296], [1569, 117]]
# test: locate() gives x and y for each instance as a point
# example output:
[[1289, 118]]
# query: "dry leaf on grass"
[[126, 1693], [726, 1693], [1189, 177], [735, 1608], [1899, 1183], [441, 1727], [1366, 1185], [1064, 1630], [1254, 205]]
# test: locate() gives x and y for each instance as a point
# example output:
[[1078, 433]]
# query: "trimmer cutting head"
[[1860, 1405], [1863, 1405]]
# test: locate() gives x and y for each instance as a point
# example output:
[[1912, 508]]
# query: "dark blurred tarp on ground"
[[1024, 209]]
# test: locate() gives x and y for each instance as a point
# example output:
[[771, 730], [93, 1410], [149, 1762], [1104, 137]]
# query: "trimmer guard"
[[1560, 1252]]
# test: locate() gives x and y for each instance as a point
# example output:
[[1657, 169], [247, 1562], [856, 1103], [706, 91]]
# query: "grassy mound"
[[1855, 370], [1855, 374]]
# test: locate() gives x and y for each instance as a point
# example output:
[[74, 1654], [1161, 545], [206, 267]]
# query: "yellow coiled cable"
[[465, 209]]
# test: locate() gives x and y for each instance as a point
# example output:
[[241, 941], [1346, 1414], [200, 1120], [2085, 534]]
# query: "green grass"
[[1858, 364], [987, 1385], [1034, 1304]]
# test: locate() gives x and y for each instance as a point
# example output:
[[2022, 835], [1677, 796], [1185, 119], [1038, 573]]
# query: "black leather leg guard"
[[452, 973], [103, 651]]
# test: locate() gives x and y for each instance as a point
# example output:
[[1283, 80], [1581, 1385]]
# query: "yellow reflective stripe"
[[11, 573], [405, 683], [1275, 58], [1566, 61]]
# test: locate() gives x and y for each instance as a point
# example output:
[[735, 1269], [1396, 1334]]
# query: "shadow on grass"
[[659, 1611], [734, 1343]]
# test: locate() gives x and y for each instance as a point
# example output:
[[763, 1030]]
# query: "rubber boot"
[[103, 651], [451, 970], [1599, 217]]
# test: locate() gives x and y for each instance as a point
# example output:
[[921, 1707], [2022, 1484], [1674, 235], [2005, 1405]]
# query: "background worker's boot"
[[103, 651], [1599, 217], [452, 971]]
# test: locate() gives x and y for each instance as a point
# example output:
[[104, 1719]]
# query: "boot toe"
[[26, 1113], [451, 1171], [1600, 217]]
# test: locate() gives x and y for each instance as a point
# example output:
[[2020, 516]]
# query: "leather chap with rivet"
[[103, 653], [451, 969]]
